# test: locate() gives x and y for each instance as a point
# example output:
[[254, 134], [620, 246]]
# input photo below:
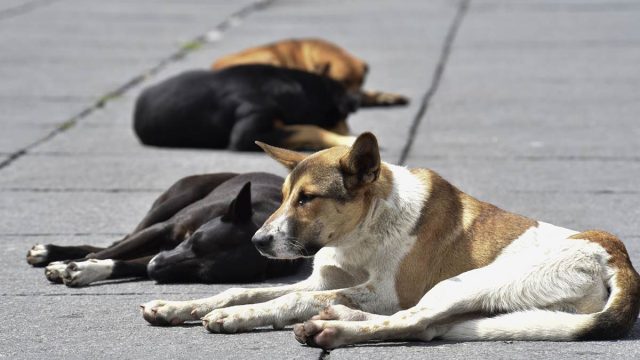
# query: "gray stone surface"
[[536, 112]]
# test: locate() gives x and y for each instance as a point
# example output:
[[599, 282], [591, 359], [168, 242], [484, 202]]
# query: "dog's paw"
[[388, 99], [317, 333], [38, 255], [83, 273], [163, 313], [232, 319], [53, 271]]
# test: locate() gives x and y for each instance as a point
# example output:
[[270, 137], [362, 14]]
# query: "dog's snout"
[[262, 241]]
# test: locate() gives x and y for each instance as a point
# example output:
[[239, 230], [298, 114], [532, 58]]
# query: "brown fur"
[[313, 55], [316, 56], [456, 233], [312, 136], [324, 175], [622, 312]]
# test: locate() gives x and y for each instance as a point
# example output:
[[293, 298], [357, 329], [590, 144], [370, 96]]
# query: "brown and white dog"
[[401, 254], [319, 57]]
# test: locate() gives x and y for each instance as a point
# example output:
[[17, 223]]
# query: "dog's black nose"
[[262, 241]]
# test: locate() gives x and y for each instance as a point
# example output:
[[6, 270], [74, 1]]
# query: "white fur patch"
[[53, 271], [85, 272], [543, 281], [37, 255], [521, 325], [378, 245]]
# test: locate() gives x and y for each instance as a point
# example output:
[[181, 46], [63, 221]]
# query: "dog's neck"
[[389, 223]]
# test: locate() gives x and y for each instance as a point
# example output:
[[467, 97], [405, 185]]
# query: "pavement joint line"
[[232, 20], [534, 157], [103, 294], [590, 192], [463, 5], [64, 234], [153, 191], [555, 7], [604, 158], [24, 8], [80, 190]]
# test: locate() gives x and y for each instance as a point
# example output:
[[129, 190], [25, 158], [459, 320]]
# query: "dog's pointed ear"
[[361, 165], [323, 69], [240, 208], [290, 159]]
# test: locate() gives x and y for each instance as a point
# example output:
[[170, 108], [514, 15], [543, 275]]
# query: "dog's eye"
[[304, 198]]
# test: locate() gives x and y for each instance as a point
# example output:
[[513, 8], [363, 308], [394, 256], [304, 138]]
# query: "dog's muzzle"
[[263, 241]]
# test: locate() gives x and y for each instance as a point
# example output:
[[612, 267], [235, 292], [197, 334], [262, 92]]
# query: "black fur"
[[236, 106], [199, 230]]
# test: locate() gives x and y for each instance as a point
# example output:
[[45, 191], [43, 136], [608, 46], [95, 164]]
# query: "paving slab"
[[86, 34], [32, 212], [72, 53], [152, 171], [533, 175], [58, 319]]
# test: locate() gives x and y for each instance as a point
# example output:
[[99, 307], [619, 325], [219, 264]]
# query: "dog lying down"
[[232, 108], [401, 254], [319, 57], [199, 230]]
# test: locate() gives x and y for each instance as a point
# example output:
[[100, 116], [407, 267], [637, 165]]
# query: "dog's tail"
[[381, 99], [614, 321], [522, 325]]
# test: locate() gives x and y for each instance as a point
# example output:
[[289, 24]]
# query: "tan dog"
[[319, 57], [401, 254]]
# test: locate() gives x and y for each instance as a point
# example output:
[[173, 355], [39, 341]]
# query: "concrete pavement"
[[529, 105]]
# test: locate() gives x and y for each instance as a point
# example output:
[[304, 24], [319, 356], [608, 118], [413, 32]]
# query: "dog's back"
[[200, 108], [313, 55]]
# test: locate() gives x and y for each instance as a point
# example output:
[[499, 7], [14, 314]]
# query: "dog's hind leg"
[[262, 127], [41, 255], [181, 194], [146, 242], [554, 289], [381, 99], [82, 273], [312, 137]]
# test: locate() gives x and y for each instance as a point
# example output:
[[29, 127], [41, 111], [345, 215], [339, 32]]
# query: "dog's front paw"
[[83, 273], [233, 319], [38, 255], [161, 312], [53, 271], [317, 333]]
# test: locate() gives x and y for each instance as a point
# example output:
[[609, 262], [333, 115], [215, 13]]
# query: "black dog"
[[199, 230], [233, 107]]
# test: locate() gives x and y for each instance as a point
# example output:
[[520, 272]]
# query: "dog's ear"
[[290, 159], [240, 208], [323, 69], [361, 165]]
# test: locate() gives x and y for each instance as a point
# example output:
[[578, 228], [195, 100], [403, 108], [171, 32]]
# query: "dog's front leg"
[[165, 312], [285, 310]]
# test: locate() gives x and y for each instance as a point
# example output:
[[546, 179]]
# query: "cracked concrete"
[[111, 95], [529, 105]]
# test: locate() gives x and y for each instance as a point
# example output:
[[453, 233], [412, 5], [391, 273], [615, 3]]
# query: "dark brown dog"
[[319, 57]]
